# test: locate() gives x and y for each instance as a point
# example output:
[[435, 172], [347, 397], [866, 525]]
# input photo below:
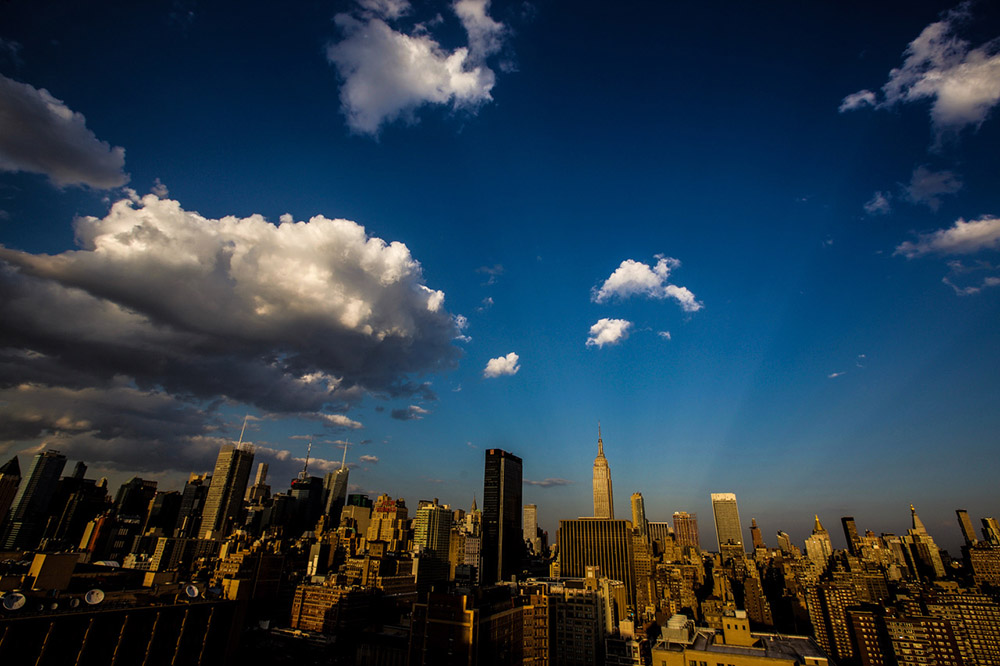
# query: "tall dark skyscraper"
[[31, 504], [502, 545], [10, 479], [851, 534], [225, 494]]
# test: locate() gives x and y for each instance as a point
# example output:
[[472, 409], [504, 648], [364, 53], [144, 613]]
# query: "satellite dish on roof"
[[14, 601], [192, 591], [94, 597]]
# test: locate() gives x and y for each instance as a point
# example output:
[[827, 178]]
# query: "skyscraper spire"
[[603, 500], [918, 525]]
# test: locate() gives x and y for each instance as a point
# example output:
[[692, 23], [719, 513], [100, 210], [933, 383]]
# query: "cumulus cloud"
[[388, 74], [926, 186], [879, 204], [502, 365], [634, 278], [411, 413], [961, 238], [302, 318], [547, 483], [962, 82], [608, 332], [369, 459], [40, 134]]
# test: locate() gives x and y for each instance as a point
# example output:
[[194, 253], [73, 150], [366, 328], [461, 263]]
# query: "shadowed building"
[[595, 542], [502, 515], [29, 510]]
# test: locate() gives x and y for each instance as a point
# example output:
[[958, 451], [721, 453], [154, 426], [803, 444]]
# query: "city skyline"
[[760, 248]]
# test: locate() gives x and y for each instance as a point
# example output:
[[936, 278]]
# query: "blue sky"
[[803, 197]]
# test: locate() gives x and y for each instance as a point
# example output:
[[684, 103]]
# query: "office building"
[[991, 531], [818, 546], [638, 513], [728, 528], [335, 491], [29, 510], [595, 542], [851, 534], [502, 531], [10, 479], [225, 495], [965, 524], [530, 528], [604, 506], [686, 529], [756, 538]]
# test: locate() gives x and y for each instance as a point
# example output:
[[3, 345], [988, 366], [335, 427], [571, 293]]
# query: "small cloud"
[[462, 323], [471, 445], [411, 413], [368, 459], [339, 421], [857, 100], [879, 204], [828, 241], [664, 334], [159, 189], [492, 273], [961, 238], [502, 365], [926, 186], [634, 278], [547, 483], [860, 362], [608, 332], [486, 304], [834, 375]]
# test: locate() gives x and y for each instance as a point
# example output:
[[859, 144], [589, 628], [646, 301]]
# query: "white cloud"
[[962, 82], [927, 186], [389, 9], [369, 459], [159, 189], [608, 332], [411, 413], [303, 317], [485, 34], [388, 74], [857, 100], [548, 483], [834, 375], [634, 278], [340, 421], [40, 134], [664, 334], [961, 238], [502, 365], [879, 204]]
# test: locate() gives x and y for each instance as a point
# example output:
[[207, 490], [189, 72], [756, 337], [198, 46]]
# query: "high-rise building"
[[851, 534], [502, 531], [686, 529], [30, 506], [818, 546], [638, 513], [335, 489], [530, 528], [756, 538], [225, 496], [604, 505], [728, 528], [259, 491], [192, 506], [10, 479], [965, 523], [606, 544], [991, 531], [432, 528]]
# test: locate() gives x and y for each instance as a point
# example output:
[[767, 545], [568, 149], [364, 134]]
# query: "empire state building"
[[603, 499]]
